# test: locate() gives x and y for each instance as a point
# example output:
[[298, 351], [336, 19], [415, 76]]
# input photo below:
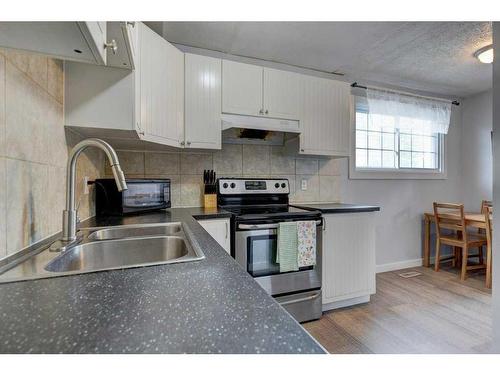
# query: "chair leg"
[[437, 257], [480, 255], [463, 274], [454, 259], [488, 265]]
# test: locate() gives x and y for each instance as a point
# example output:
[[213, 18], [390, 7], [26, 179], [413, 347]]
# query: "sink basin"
[[136, 231], [125, 253]]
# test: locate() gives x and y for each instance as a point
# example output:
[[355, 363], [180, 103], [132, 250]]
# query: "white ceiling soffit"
[[435, 57]]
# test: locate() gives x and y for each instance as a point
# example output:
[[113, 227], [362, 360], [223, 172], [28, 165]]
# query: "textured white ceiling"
[[429, 56]]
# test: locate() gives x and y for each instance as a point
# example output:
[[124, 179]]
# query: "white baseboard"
[[399, 265], [345, 303]]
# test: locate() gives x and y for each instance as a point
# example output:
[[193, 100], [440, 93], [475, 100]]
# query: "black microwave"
[[141, 195]]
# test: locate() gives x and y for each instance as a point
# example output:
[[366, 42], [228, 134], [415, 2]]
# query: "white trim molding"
[[399, 265]]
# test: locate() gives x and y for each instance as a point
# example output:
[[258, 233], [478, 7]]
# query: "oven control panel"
[[253, 186]]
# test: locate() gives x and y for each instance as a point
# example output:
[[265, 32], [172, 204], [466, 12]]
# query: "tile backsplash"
[[185, 170], [34, 150]]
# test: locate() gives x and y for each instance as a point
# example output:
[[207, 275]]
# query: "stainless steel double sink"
[[110, 248]]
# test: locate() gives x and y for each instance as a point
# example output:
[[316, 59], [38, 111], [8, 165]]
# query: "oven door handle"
[[303, 299], [264, 226]]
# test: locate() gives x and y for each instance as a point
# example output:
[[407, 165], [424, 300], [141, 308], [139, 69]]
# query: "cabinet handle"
[[131, 23], [267, 112], [182, 143], [113, 45], [261, 111], [227, 230], [324, 224], [188, 143]]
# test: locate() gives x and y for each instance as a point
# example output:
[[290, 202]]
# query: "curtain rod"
[[355, 84]]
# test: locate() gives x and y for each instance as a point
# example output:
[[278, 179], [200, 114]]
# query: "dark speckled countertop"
[[208, 306]]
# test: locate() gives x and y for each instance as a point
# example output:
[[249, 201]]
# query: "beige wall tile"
[[26, 116], [281, 163], [192, 190], [27, 204], [132, 163], [256, 160], [330, 167], [3, 208], [89, 165], [306, 166], [35, 66], [55, 79], [162, 163], [2, 105], [228, 162], [329, 188], [57, 150], [195, 163], [312, 192], [56, 197]]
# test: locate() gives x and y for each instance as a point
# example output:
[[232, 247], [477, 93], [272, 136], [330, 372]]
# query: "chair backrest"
[[484, 204], [449, 216], [488, 211]]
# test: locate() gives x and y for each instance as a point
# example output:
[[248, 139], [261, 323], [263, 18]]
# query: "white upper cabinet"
[[281, 94], [325, 117], [257, 91], [125, 36], [77, 41], [124, 105], [203, 95], [242, 88]]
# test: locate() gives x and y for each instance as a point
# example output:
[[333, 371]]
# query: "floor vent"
[[409, 274]]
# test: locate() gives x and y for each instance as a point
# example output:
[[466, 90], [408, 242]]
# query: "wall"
[[34, 151], [402, 202], [185, 169], [477, 150], [496, 188]]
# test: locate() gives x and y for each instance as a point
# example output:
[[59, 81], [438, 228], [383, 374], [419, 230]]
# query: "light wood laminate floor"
[[431, 313]]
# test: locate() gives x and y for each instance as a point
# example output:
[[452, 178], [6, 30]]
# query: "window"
[[393, 147]]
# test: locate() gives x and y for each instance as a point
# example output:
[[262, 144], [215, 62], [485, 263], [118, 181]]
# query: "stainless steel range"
[[258, 206]]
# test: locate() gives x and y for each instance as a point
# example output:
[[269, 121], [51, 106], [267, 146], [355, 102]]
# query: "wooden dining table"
[[472, 219]]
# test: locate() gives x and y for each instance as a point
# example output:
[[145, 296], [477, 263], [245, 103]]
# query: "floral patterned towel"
[[306, 235]]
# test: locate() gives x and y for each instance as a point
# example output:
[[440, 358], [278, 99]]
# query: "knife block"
[[210, 200]]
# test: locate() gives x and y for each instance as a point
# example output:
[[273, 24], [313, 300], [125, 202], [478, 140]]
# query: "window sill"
[[379, 174]]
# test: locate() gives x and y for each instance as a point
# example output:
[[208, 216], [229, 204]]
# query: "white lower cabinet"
[[220, 231], [348, 267]]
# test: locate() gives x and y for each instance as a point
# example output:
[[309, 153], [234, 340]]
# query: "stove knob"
[[283, 185], [276, 185], [233, 185], [225, 185]]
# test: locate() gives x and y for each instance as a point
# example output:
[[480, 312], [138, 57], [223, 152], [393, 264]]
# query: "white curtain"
[[407, 113]]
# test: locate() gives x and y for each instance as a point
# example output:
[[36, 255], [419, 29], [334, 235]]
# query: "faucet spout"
[[70, 213]]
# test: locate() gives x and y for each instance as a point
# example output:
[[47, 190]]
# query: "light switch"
[[303, 184]]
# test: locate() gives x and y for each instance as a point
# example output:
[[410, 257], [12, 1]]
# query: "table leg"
[[488, 265], [427, 241]]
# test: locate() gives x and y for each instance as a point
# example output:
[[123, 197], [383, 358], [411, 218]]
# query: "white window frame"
[[393, 174]]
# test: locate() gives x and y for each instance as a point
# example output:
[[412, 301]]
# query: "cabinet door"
[[76, 41], [348, 256], [281, 94], [161, 89], [325, 118], [241, 88], [220, 231], [202, 125]]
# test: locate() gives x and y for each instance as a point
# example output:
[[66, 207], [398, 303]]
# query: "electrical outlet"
[[86, 185], [303, 185]]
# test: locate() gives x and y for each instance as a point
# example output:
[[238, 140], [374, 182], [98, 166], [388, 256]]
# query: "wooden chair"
[[450, 216], [487, 216]]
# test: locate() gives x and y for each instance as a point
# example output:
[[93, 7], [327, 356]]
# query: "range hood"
[[259, 123]]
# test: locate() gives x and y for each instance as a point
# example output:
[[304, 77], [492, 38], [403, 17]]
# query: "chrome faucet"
[[70, 213]]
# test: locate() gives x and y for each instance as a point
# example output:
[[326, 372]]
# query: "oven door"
[[255, 250]]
